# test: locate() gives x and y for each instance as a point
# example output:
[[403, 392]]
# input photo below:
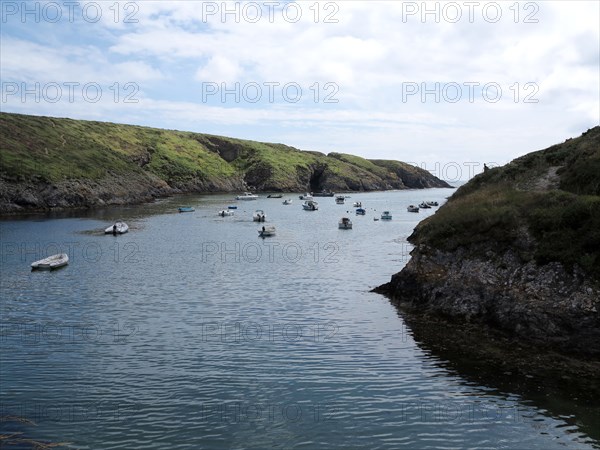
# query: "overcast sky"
[[445, 85]]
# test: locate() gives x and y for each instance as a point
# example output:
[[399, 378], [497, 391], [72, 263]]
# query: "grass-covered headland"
[[516, 249], [47, 162]]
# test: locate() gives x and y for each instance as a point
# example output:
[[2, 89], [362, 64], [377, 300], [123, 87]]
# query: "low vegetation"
[[552, 196], [53, 150]]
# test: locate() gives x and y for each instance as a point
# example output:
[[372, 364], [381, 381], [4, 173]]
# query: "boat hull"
[[51, 263], [266, 232], [121, 228]]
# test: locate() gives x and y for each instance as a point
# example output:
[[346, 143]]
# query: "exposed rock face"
[[516, 249], [547, 304], [110, 190]]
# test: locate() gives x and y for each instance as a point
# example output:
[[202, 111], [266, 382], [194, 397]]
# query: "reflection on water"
[[554, 384], [192, 332]]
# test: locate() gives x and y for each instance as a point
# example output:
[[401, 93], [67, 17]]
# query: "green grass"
[[494, 208], [52, 149]]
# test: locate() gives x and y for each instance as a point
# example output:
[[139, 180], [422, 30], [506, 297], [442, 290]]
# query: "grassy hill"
[[552, 194], [516, 250], [43, 151]]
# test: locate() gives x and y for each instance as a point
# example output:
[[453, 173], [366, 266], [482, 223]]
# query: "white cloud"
[[371, 52]]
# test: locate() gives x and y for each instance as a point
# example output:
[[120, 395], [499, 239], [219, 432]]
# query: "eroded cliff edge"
[[517, 249]]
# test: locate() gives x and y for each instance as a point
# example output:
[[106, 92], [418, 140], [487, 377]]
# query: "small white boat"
[[306, 196], [424, 205], [117, 228], [287, 202], [357, 205], [259, 216], [310, 205], [433, 203], [345, 224], [386, 215], [225, 213], [266, 231], [413, 208], [247, 196], [51, 262], [340, 199]]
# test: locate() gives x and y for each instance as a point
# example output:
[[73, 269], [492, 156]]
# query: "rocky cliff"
[[517, 249], [49, 163]]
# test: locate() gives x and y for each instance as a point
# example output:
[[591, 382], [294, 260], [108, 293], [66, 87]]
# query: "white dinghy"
[[117, 228], [51, 262]]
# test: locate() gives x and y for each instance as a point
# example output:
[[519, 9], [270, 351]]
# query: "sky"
[[447, 86]]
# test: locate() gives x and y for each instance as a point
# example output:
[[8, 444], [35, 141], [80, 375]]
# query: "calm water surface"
[[192, 332]]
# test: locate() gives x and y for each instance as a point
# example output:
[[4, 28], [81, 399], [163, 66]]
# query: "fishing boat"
[[357, 205], [386, 215], [424, 205], [345, 224], [51, 262], [275, 196], [306, 196], [117, 228], [310, 205], [361, 211], [266, 231], [247, 196], [225, 213], [413, 208], [433, 203], [287, 201], [259, 216], [184, 209], [340, 199]]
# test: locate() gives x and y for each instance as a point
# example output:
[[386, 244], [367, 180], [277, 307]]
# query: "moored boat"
[[266, 231], [357, 205], [306, 196], [310, 205], [247, 196], [413, 208], [345, 224], [117, 228], [232, 207], [225, 213], [184, 209], [287, 201], [259, 216], [275, 196], [386, 215], [424, 205], [430, 203], [340, 199], [361, 211], [51, 262]]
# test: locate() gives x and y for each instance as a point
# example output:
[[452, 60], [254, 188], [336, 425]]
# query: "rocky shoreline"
[[547, 306], [113, 189]]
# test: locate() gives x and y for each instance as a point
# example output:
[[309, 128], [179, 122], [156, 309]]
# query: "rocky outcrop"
[[112, 189], [546, 305], [516, 250]]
